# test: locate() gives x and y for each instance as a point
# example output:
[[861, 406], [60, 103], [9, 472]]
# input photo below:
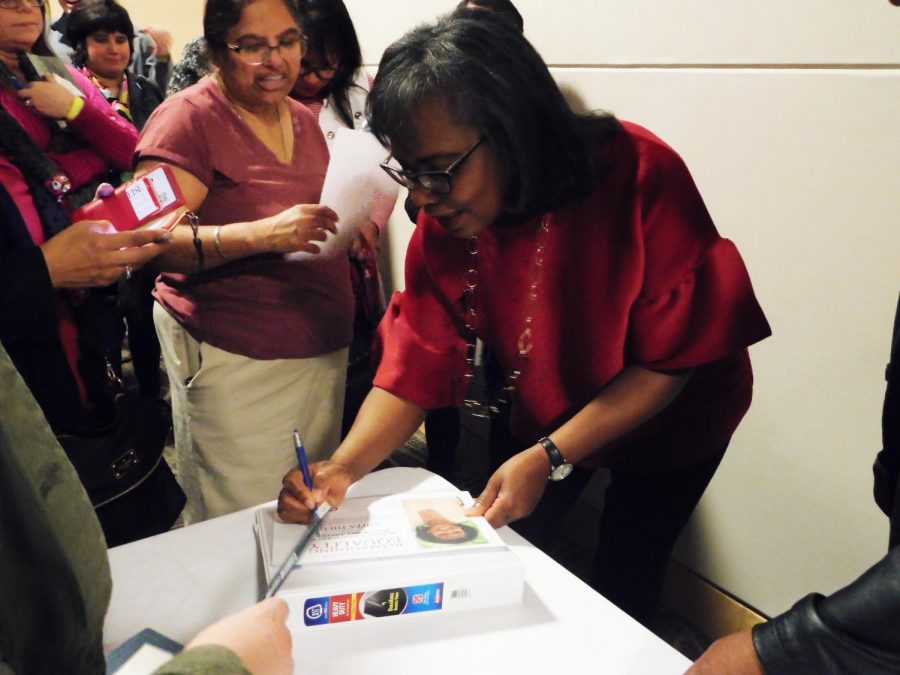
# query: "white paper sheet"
[[355, 187]]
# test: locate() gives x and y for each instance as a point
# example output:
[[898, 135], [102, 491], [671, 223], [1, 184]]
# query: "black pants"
[[643, 514]]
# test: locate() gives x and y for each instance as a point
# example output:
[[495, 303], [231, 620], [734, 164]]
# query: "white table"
[[181, 581]]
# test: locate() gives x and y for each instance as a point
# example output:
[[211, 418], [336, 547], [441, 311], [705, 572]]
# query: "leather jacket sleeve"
[[855, 630]]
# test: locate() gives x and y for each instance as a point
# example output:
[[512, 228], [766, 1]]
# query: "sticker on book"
[[373, 605], [407, 524]]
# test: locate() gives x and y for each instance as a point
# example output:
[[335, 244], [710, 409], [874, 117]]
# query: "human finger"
[[498, 514], [292, 510], [133, 239], [103, 191], [294, 484], [484, 501]]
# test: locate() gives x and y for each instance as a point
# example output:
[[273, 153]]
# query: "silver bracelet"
[[219, 244]]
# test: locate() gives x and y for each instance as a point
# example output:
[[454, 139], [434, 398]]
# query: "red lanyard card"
[[144, 202]]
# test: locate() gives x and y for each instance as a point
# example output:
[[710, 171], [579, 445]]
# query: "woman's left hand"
[[48, 97], [514, 489], [367, 243]]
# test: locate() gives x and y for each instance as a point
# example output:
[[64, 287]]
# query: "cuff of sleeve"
[[75, 109], [204, 659]]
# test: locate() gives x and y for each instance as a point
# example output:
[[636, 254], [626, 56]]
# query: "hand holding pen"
[[308, 485]]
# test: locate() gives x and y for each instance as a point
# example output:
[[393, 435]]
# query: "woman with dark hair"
[[334, 85], [255, 344], [436, 528], [101, 35], [578, 249], [102, 38]]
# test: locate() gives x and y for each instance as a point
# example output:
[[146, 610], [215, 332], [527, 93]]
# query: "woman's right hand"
[[295, 229], [258, 635], [296, 502], [92, 253]]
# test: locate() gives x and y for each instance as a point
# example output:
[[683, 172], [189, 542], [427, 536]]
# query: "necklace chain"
[[499, 404], [237, 111]]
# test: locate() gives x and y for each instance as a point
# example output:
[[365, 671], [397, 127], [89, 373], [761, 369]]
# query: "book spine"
[[452, 592]]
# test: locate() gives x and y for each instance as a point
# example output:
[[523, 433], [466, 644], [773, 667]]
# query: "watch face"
[[560, 472]]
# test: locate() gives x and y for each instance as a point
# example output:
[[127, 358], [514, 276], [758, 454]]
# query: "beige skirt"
[[234, 416]]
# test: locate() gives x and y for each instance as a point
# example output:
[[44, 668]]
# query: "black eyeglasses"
[[436, 182], [323, 72], [257, 53]]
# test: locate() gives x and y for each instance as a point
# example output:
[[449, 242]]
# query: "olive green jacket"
[[55, 582]]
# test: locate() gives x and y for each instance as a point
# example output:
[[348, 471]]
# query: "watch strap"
[[556, 457]]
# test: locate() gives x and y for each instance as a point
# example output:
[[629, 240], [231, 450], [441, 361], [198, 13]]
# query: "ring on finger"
[[128, 271]]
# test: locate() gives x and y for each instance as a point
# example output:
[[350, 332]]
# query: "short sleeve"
[[423, 353], [696, 304], [175, 134]]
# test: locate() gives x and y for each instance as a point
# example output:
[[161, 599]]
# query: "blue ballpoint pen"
[[302, 460], [288, 565]]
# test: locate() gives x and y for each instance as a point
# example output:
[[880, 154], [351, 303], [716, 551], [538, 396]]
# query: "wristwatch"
[[559, 466]]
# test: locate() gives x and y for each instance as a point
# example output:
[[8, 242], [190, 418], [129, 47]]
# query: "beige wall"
[[182, 18]]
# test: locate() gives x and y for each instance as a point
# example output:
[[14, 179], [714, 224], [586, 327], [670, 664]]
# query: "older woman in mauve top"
[[255, 345]]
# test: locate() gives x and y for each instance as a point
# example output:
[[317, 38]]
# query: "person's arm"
[[855, 630], [255, 640], [94, 120], [384, 423], [632, 398], [294, 229], [153, 57], [28, 307]]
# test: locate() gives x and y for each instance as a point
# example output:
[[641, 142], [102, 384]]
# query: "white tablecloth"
[[181, 581]]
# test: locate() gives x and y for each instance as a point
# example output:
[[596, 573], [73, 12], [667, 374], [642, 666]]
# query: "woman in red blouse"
[[579, 250]]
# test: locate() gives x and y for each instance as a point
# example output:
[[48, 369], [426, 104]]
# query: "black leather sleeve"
[[855, 630]]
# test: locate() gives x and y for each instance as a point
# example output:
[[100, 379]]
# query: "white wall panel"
[[797, 168], [662, 31]]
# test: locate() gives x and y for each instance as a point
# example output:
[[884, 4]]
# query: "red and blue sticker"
[[373, 604]]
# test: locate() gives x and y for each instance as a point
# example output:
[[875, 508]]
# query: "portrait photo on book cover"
[[439, 522]]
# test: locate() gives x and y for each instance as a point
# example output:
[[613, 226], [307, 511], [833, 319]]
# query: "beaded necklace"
[[499, 404]]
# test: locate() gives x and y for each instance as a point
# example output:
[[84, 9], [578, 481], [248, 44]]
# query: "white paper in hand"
[[354, 186]]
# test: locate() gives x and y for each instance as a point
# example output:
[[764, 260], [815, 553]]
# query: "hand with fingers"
[[92, 253], [367, 242], [162, 41], [515, 488], [330, 483], [258, 635], [48, 97], [297, 228]]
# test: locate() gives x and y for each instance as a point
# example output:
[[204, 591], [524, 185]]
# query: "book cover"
[[406, 554], [141, 654]]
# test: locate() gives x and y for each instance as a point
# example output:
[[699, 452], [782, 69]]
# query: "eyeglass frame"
[[36, 4], [318, 71], [413, 181], [301, 39]]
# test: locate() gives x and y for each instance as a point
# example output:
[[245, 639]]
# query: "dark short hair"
[[328, 27], [488, 76], [220, 16], [504, 9], [470, 532], [92, 16]]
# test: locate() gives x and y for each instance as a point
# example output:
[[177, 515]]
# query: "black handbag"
[[117, 450], [121, 466]]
